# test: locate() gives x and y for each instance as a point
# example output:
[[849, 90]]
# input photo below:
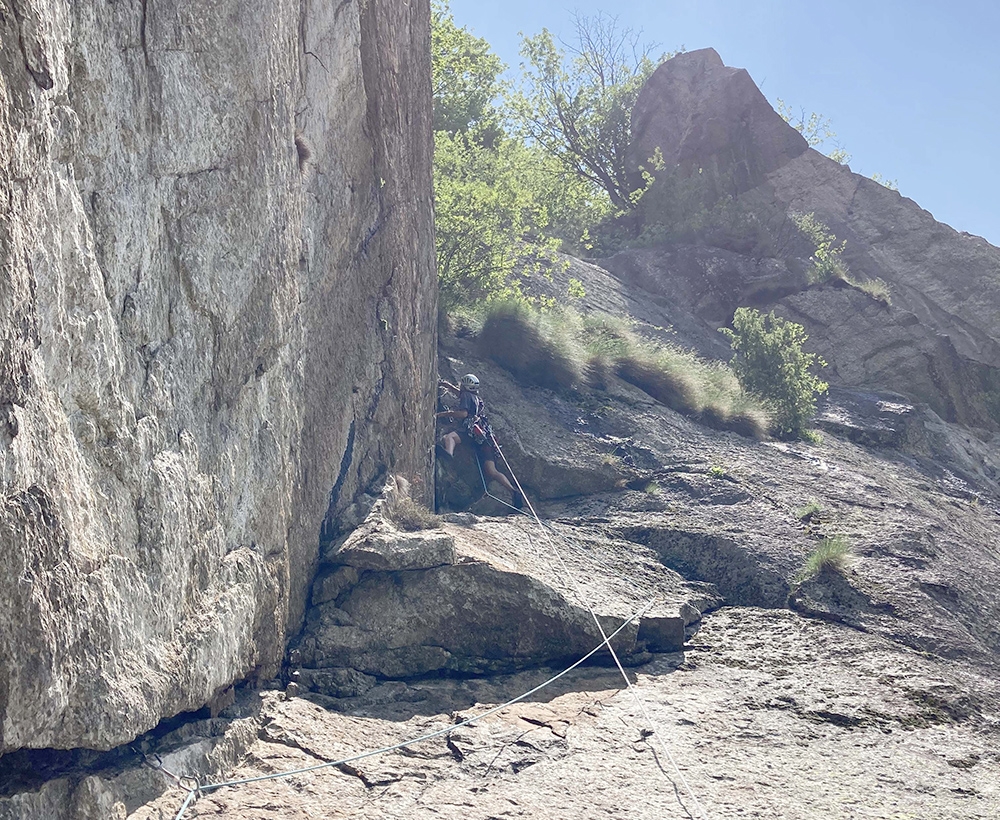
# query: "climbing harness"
[[198, 790]]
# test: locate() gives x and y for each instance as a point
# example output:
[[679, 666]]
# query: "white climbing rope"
[[651, 724], [199, 790]]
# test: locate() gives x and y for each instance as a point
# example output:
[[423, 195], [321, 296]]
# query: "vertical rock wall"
[[213, 333]]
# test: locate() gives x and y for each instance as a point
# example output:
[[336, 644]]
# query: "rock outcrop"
[[938, 340], [217, 327], [703, 115], [477, 597]]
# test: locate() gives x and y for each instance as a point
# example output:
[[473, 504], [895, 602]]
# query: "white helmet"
[[470, 382]]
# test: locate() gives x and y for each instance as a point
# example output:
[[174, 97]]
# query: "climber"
[[476, 432]]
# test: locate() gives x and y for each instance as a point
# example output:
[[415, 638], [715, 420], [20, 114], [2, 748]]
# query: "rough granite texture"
[[213, 335]]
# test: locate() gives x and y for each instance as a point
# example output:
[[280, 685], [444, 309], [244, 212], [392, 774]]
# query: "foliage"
[[770, 364], [715, 471], [576, 289], [833, 555], [884, 182], [499, 202], [577, 106], [816, 129], [827, 264], [465, 78], [826, 261], [486, 211], [559, 349]]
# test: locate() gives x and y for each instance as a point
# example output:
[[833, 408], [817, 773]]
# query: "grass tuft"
[[832, 555], [410, 516], [403, 511], [538, 347], [877, 289], [809, 511], [708, 391]]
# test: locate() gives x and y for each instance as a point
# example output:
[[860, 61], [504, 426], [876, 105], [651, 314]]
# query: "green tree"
[[465, 78], [499, 201], [771, 365], [487, 218], [576, 105]]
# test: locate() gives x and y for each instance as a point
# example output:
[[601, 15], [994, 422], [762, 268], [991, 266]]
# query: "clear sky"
[[911, 87]]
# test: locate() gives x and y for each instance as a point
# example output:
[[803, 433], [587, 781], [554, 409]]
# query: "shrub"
[[538, 347], [771, 365], [878, 289], [833, 555], [826, 261]]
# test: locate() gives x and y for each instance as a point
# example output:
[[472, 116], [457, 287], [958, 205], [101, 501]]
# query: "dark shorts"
[[485, 451]]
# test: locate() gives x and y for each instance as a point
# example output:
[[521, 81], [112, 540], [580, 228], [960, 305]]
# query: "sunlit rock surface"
[[216, 328]]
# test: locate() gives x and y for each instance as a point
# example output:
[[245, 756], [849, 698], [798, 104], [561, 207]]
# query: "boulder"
[[484, 596]]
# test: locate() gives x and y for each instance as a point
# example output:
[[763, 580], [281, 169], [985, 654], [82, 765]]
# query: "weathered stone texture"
[[211, 339]]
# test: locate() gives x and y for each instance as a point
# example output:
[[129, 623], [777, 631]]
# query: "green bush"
[[771, 365]]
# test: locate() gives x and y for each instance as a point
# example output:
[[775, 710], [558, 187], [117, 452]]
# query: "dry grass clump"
[[877, 289], [678, 378], [539, 347], [410, 516], [403, 511]]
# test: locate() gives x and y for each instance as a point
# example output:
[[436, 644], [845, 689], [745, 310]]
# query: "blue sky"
[[911, 88]]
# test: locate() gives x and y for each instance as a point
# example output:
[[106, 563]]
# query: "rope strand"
[[651, 724], [210, 787]]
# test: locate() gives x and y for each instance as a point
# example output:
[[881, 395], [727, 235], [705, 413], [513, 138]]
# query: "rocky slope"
[[866, 693], [938, 340], [217, 311]]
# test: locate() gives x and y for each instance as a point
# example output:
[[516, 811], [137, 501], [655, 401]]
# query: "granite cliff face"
[[217, 326]]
